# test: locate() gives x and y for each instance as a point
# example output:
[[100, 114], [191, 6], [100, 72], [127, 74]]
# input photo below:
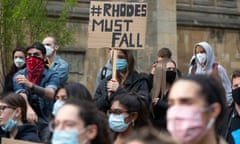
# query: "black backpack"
[[103, 72]]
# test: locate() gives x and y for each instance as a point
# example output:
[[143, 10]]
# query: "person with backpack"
[[127, 80], [203, 62], [104, 71]]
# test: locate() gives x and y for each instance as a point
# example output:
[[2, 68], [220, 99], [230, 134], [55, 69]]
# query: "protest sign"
[[14, 141], [119, 25]]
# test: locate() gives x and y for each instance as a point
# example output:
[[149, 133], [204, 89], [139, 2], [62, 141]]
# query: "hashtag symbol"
[[96, 10]]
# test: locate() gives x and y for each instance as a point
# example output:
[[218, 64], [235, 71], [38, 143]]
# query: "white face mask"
[[49, 50], [19, 62], [202, 57]]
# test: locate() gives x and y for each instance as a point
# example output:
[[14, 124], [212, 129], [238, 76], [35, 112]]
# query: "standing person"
[[165, 75], [104, 71], [128, 80], [37, 84], [163, 53], [205, 64], [196, 108], [231, 126], [80, 122], [18, 56], [55, 62], [127, 113], [13, 119]]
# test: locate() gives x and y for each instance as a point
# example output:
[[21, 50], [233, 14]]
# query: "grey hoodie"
[[209, 67]]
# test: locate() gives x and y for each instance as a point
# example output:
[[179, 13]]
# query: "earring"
[[133, 124]]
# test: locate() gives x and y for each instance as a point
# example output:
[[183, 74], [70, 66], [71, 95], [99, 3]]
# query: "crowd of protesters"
[[164, 106]]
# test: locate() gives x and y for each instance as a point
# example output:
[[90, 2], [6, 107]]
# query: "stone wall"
[[176, 24], [84, 62], [215, 21]]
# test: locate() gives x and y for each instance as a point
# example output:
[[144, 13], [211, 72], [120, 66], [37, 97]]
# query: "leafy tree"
[[24, 21]]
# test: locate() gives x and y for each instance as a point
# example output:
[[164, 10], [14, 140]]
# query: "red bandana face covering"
[[35, 67]]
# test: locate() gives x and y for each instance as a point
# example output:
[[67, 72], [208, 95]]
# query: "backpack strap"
[[215, 66], [103, 72], [194, 68]]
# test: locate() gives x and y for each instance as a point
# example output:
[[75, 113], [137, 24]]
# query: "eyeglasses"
[[116, 111], [2, 108]]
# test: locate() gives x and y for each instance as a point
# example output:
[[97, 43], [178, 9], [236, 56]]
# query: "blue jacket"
[[50, 79], [26, 132], [61, 67]]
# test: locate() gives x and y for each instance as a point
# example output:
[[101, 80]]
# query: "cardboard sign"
[[117, 25], [13, 141]]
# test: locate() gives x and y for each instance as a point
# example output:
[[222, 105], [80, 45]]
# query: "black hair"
[[8, 84], [77, 90], [211, 90], [38, 46], [133, 103], [89, 113], [235, 74]]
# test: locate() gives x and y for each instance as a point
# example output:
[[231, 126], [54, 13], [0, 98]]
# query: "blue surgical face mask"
[[67, 137], [116, 122], [9, 125], [56, 106], [121, 64]]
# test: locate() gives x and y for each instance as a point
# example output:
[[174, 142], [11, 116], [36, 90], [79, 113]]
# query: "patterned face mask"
[[35, 68]]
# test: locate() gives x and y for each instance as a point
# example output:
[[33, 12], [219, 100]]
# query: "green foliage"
[[23, 22]]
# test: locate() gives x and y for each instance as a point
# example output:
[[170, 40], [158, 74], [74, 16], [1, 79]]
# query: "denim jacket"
[[61, 67], [50, 79]]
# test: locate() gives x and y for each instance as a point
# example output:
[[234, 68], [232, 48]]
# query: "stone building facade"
[[176, 24]]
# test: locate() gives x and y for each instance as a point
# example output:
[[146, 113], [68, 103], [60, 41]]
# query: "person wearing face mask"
[[203, 62], [196, 108], [55, 62], [80, 122], [163, 53], [37, 84], [165, 75], [127, 80], [70, 90], [231, 125], [127, 113], [13, 119], [18, 56]]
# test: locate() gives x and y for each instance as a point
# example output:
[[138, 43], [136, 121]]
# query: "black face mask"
[[170, 76], [236, 95]]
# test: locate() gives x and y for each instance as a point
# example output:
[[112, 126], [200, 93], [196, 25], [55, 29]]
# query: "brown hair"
[[16, 101], [149, 135], [130, 66], [165, 53], [90, 115], [159, 79]]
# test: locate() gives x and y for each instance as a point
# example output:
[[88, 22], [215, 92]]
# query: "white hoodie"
[[209, 67]]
